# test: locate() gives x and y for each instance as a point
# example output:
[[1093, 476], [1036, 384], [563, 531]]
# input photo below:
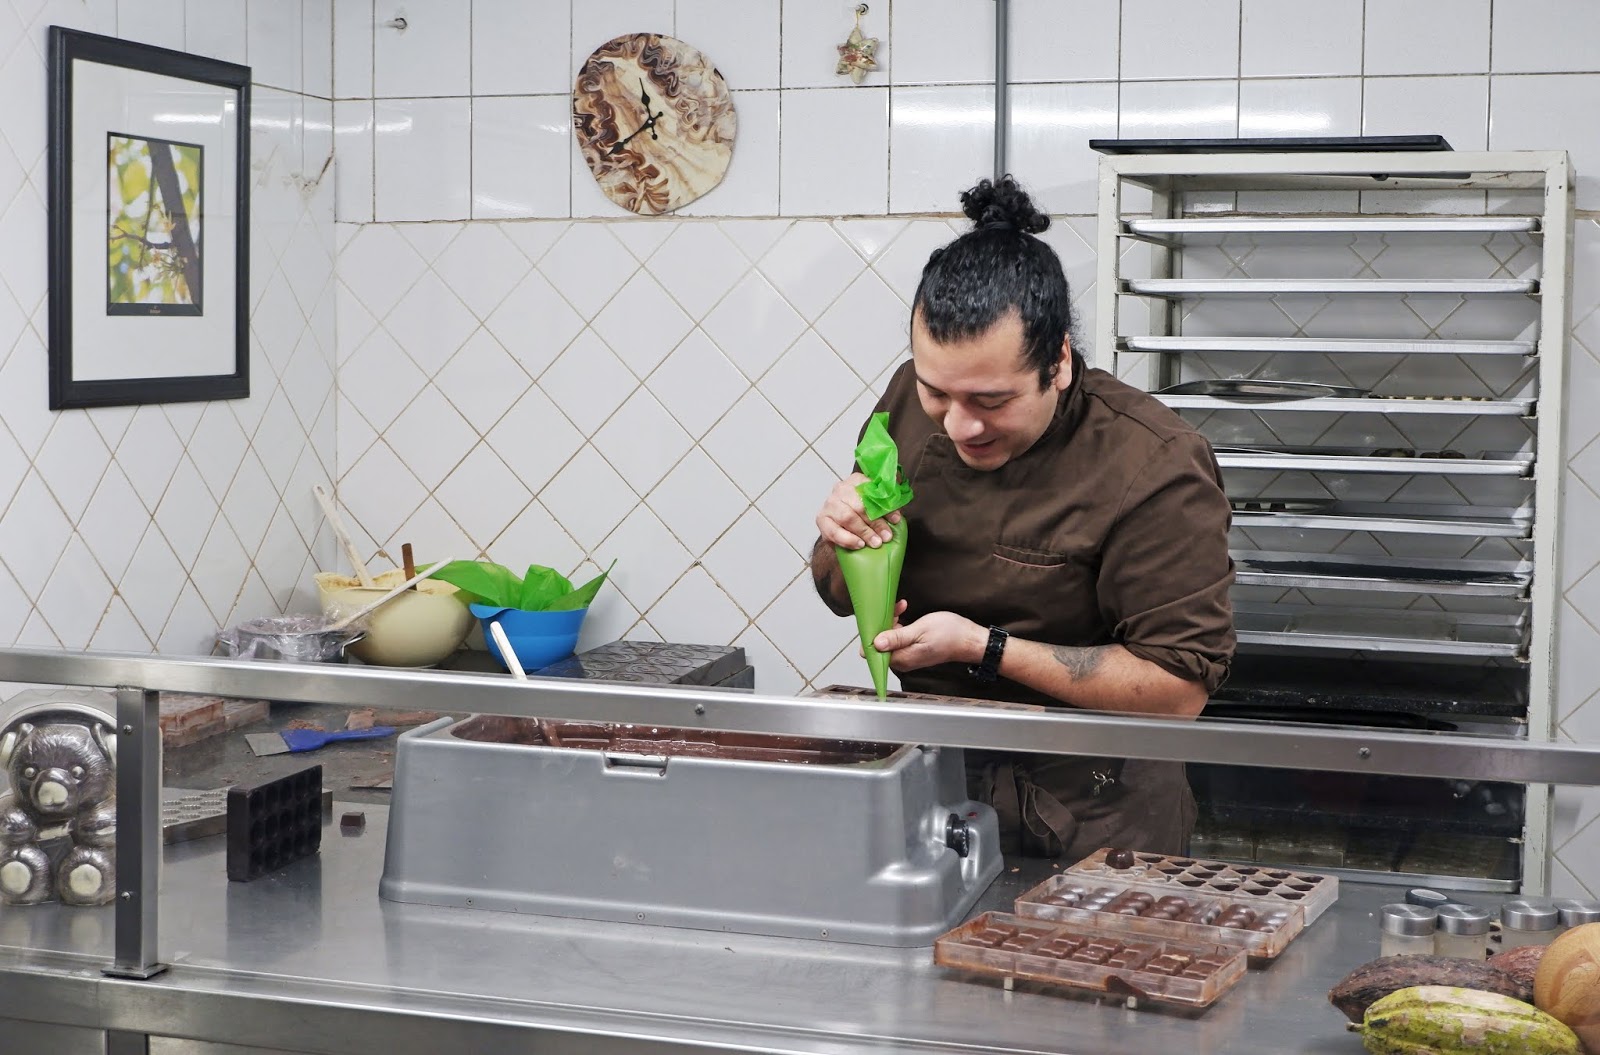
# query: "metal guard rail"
[[139, 678]]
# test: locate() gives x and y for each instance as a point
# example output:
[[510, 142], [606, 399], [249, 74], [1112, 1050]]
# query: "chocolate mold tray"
[[1085, 956], [1261, 930], [1312, 892]]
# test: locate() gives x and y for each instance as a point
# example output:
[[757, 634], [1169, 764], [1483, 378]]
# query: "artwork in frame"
[[149, 224]]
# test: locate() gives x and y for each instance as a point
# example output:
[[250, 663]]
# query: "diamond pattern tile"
[[588, 498], [380, 380], [75, 597], [642, 441], [697, 383], [752, 562], [482, 381], [643, 239], [868, 326], [697, 265], [754, 237], [810, 386], [379, 266], [649, 559], [535, 537], [536, 438], [753, 443], [811, 265], [698, 611], [642, 324], [481, 266], [697, 502], [430, 323], [485, 493], [534, 323], [534, 237], [792, 502], [588, 266], [186, 512], [754, 325], [588, 382], [431, 437]]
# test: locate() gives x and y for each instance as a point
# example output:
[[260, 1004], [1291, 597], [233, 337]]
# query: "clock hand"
[[650, 125], [644, 96]]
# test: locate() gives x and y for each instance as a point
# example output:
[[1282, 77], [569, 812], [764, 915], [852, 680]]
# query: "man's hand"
[[938, 637], [842, 520]]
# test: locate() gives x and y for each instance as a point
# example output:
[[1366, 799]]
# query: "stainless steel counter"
[[310, 960]]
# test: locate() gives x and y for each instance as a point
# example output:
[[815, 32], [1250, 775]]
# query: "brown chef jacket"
[[1112, 528]]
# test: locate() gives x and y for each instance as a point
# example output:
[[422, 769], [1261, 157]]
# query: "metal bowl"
[[291, 638]]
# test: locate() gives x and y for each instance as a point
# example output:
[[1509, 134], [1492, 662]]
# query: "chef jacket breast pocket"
[[1046, 594]]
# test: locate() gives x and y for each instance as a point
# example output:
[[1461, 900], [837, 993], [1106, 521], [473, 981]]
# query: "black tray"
[[1269, 145]]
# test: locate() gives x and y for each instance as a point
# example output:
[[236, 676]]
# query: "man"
[[1067, 540]]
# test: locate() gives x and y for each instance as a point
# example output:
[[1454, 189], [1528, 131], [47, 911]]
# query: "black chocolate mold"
[[273, 824]]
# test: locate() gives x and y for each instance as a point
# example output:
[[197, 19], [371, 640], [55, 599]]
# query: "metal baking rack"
[[1376, 345]]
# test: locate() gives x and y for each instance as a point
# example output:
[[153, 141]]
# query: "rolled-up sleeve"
[[1165, 570]]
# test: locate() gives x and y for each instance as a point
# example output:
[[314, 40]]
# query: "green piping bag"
[[872, 575]]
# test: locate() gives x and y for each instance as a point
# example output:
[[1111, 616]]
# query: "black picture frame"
[[67, 48]]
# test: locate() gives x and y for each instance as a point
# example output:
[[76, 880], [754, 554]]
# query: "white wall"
[[148, 528], [559, 382]]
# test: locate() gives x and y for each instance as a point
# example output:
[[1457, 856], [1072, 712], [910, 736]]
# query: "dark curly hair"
[[998, 267]]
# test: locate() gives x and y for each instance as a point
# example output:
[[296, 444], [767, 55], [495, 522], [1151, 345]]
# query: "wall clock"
[[654, 120]]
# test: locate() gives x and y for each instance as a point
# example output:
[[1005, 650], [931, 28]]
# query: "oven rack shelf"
[[1354, 460], [1390, 632], [1384, 405], [1248, 224], [1377, 517], [1335, 571], [1184, 288], [1325, 346], [1385, 686]]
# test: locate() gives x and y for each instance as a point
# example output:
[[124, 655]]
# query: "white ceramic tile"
[[754, 237], [753, 562], [149, 453], [22, 82], [72, 460], [352, 48], [869, 237], [642, 441], [1050, 47], [848, 668], [430, 323], [1546, 36], [378, 492], [811, 265], [434, 535], [837, 444], [255, 599], [36, 633], [352, 321], [317, 48], [250, 502], [942, 42], [24, 224], [750, 187], [536, 538], [352, 173], [642, 323], [642, 237], [588, 498], [754, 325], [818, 179], [215, 29], [697, 502], [535, 438], [482, 266], [152, 583], [119, 631], [483, 380], [804, 630], [1455, 107], [775, 675], [812, 32], [432, 438], [901, 264], [33, 533], [279, 443], [588, 266], [1051, 125], [422, 159], [1577, 656], [1300, 40], [274, 46], [649, 559], [940, 142], [698, 266], [1180, 109], [379, 267], [158, 22], [380, 380], [753, 443], [588, 382], [535, 239], [697, 383], [810, 386], [740, 37], [1427, 36], [698, 611], [186, 512], [14, 465], [1548, 113], [1324, 106], [519, 156], [484, 494], [106, 525], [521, 47], [1581, 854], [612, 618], [534, 323], [1179, 39], [430, 57], [217, 448], [867, 326], [76, 596]]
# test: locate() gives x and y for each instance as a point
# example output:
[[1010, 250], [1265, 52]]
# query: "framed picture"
[[149, 224]]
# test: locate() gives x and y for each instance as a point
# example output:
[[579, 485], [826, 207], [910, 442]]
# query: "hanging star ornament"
[[857, 55]]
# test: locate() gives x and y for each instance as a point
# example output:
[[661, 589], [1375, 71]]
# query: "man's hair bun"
[[1002, 204]]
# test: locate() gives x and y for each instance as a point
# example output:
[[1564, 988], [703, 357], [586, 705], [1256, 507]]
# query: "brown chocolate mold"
[[664, 740], [1312, 891]]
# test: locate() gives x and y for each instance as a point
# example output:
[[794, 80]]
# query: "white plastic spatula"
[[514, 665], [342, 535], [368, 609]]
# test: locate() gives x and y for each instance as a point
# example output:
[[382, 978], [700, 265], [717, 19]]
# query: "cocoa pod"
[[1373, 981], [1443, 1020], [1521, 964]]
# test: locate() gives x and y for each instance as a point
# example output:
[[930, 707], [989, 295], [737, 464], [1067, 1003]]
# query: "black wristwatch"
[[989, 669]]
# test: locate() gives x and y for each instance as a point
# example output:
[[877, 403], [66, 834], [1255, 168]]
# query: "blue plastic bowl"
[[538, 638]]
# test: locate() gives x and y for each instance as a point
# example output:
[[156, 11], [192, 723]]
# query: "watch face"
[[654, 120]]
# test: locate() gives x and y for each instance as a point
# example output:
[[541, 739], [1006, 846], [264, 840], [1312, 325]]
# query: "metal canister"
[[1407, 930], [1463, 931], [1528, 923], [1576, 912]]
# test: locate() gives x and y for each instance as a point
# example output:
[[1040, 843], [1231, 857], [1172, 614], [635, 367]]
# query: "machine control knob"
[[957, 835]]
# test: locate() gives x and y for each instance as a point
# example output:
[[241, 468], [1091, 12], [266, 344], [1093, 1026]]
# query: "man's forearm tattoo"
[[1081, 662]]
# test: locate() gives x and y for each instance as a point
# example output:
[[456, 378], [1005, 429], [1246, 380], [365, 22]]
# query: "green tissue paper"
[[872, 575]]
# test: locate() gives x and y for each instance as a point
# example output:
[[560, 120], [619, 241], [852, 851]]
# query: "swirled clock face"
[[654, 120]]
